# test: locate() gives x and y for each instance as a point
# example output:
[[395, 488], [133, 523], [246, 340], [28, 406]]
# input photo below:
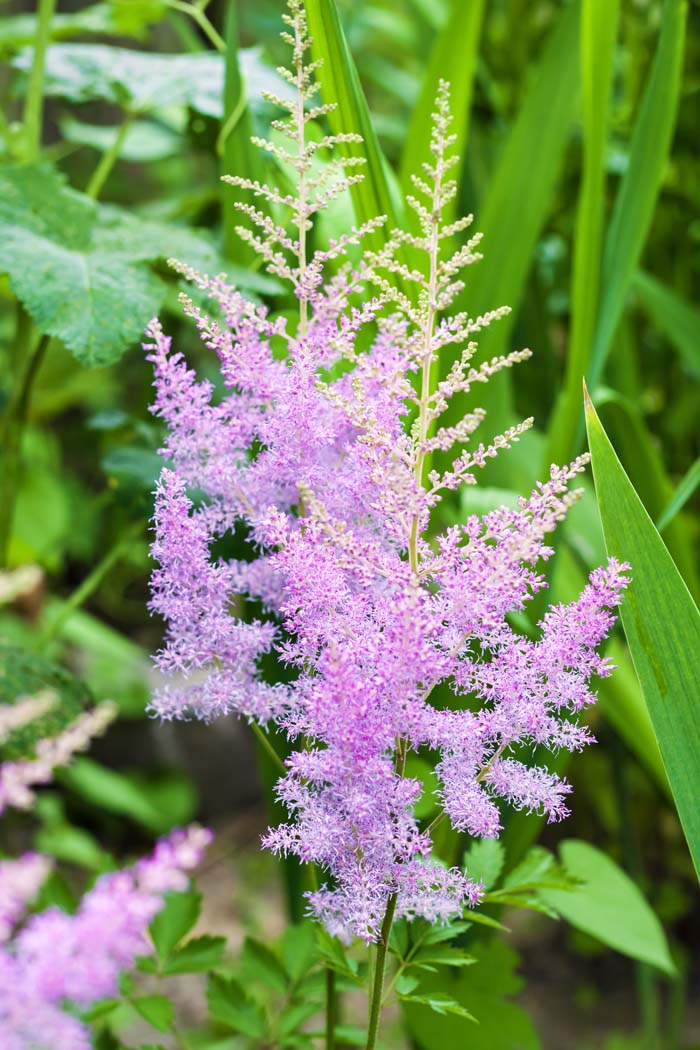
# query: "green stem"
[[375, 1003], [109, 159], [197, 14], [90, 584], [13, 430], [331, 1009], [34, 99], [267, 746]]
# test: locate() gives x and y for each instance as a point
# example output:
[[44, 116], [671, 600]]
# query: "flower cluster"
[[331, 459], [57, 959]]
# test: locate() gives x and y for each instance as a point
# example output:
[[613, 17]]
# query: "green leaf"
[[145, 142], [429, 957], [686, 488], [229, 1005], [115, 792], [72, 845], [662, 625], [539, 866], [295, 1014], [456, 65], [599, 22], [676, 318], [609, 906], [174, 921], [440, 1004], [199, 954], [155, 1009], [484, 990], [259, 963], [73, 285], [484, 860], [636, 198], [141, 81], [340, 85], [299, 950]]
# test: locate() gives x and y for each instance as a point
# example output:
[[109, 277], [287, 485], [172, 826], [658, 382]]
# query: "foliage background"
[[551, 168]]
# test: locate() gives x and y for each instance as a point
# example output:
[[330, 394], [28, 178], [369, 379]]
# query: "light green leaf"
[[440, 1004], [609, 906], [484, 860], [141, 81], [662, 625], [113, 791], [198, 954], [299, 951], [145, 141], [155, 1009], [174, 921], [636, 198], [676, 318], [229, 1005], [260, 963], [73, 286]]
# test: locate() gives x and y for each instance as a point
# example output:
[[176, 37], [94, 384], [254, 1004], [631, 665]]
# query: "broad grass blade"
[[340, 85], [599, 23], [636, 198], [453, 58], [662, 625]]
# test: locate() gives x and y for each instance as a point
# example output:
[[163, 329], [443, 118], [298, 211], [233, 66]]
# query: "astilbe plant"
[[53, 964], [322, 454]]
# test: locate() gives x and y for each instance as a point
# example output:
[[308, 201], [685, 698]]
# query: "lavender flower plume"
[[58, 959], [323, 455]]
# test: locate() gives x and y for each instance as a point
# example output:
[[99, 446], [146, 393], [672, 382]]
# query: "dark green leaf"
[[259, 963], [115, 792]]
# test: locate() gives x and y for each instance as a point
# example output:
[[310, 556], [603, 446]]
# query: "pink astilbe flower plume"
[[57, 960], [323, 454]]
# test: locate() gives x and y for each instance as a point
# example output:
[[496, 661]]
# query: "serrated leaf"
[[662, 625], [155, 1009], [199, 954], [258, 962], [537, 865], [229, 1005], [429, 957], [175, 920], [335, 955], [440, 1004], [483, 861], [295, 1015], [73, 287], [609, 906]]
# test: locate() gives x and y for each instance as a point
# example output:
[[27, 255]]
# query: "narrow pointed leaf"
[[599, 22], [340, 85], [685, 490], [676, 318], [636, 198], [662, 625], [517, 203], [457, 65]]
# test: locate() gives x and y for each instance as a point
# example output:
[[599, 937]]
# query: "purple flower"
[[320, 455]]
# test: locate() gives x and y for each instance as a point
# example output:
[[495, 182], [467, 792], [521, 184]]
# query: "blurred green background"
[[578, 125]]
